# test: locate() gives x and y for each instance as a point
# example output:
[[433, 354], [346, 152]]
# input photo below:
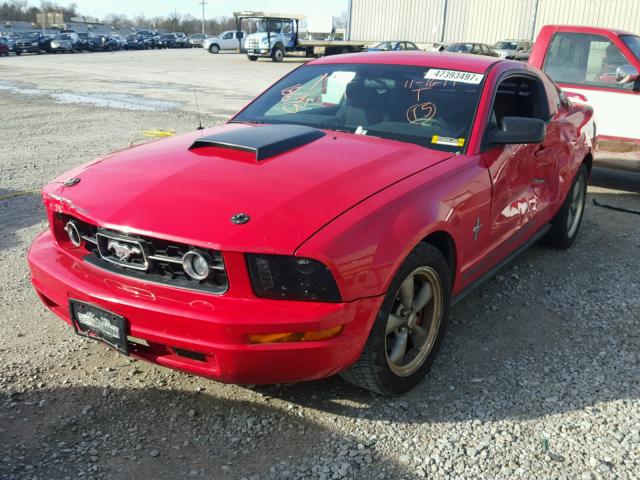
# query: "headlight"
[[196, 265], [73, 233], [264, 41], [292, 278], [55, 44]]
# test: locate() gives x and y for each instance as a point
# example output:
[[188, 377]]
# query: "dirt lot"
[[538, 377]]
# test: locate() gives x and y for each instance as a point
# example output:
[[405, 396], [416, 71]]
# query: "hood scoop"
[[263, 141]]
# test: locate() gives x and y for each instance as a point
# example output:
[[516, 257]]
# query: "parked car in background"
[[83, 41], [182, 41], [33, 42], [437, 47], [510, 48], [521, 56], [428, 188], [599, 67], [148, 38], [4, 46], [472, 48], [75, 38], [168, 40], [135, 42], [393, 46], [196, 39], [103, 43], [225, 41], [63, 43], [121, 41], [11, 40]]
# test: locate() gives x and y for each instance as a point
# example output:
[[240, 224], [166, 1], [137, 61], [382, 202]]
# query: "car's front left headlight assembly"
[[283, 277]]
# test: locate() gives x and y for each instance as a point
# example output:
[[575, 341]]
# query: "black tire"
[[277, 55], [18, 52], [372, 370], [566, 224], [252, 58], [215, 49]]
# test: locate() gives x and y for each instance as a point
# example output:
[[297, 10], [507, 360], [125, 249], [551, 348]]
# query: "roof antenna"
[[200, 127]]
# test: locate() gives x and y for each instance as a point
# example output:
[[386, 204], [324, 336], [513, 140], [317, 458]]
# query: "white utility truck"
[[276, 36]]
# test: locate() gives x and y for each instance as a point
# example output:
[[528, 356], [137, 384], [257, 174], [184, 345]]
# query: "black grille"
[[159, 261]]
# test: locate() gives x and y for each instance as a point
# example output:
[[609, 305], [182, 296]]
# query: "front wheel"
[[214, 49], [408, 329], [277, 55], [252, 58], [566, 224]]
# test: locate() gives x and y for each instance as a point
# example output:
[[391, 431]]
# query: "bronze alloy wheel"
[[413, 324], [576, 205]]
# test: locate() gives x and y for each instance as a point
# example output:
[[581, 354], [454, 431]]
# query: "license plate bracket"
[[99, 324]]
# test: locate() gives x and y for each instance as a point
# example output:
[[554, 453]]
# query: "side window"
[[475, 49], [402, 46], [228, 36], [287, 27], [275, 26], [583, 59], [519, 97]]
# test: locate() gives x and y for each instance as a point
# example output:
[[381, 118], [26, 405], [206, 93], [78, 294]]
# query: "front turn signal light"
[[314, 335]]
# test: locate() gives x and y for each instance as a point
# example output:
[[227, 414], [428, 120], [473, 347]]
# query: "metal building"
[[428, 21]]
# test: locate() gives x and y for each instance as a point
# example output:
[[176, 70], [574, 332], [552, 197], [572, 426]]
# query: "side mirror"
[[516, 130], [626, 74]]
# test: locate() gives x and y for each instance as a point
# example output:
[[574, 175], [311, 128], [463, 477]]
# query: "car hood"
[[167, 190], [503, 52]]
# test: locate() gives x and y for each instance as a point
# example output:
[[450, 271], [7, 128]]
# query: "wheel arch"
[[444, 242], [588, 162]]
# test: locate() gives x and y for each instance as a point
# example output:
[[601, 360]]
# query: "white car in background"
[[225, 41]]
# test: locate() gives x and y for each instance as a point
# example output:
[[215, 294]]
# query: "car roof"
[[588, 30], [454, 61]]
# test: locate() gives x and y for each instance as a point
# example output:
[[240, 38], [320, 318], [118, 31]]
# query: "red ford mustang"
[[326, 228]]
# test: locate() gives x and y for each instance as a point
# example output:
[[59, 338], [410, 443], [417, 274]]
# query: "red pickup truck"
[[598, 66]]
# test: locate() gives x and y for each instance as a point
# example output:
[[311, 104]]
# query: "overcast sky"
[[214, 8]]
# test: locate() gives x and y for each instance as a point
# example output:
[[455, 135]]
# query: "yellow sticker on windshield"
[[450, 141]]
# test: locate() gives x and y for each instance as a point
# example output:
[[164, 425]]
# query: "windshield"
[[403, 103], [460, 47], [386, 46], [506, 45], [633, 43], [64, 37], [261, 26], [30, 35]]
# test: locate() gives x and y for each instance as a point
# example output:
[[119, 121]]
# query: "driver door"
[[227, 42], [523, 176]]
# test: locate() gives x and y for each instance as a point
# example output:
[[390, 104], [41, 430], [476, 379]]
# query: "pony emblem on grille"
[[122, 250]]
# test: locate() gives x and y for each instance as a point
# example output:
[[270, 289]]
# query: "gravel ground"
[[537, 378]]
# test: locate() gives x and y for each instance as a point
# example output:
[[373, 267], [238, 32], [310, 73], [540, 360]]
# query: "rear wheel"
[[408, 329], [278, 54], [566, 224], [214, 49]]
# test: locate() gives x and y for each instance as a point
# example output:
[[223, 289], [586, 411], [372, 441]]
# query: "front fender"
[[366, 245]]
